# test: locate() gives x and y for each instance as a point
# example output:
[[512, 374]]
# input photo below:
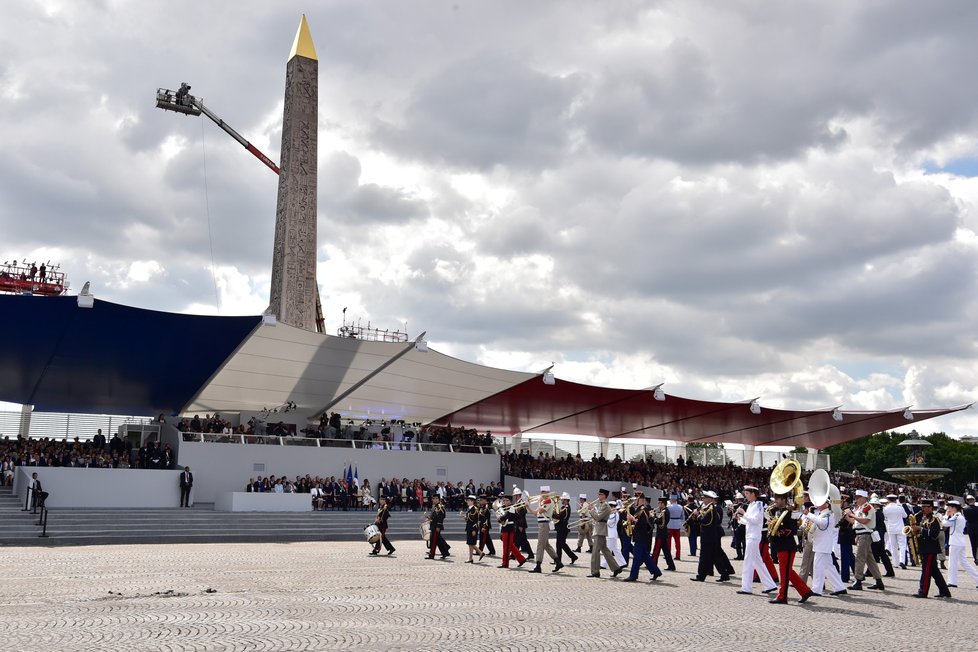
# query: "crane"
[[181, 101]]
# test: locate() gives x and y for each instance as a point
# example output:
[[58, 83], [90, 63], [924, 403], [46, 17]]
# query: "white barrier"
[[72, 487], [240, 501]]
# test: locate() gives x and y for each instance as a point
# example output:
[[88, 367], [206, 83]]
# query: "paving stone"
[[323, 596]]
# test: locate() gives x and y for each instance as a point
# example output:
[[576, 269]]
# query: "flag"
[[356, 478], [349, 476]]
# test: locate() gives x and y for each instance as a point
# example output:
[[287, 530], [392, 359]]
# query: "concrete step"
[[200, 524]]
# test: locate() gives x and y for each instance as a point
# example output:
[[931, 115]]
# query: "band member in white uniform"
[[613, 544], [824, 535], [753, 519], [957, 544], [896, 541]]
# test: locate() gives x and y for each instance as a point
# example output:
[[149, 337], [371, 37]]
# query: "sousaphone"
[[786, 479], [822, 491]]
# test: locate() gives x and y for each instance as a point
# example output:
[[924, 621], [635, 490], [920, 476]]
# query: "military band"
[[791, 524]]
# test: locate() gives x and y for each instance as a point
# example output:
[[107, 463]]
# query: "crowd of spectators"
[[681, 479], [332, 427], [339, 493], [96, 453], [458, 437]]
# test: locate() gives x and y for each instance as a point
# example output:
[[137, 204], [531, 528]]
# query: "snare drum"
[[426, 530], [372, 533]]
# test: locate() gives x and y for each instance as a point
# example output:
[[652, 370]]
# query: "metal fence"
[[61, 425], [657, 452]]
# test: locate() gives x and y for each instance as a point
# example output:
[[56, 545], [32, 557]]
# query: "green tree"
[[712, 451]]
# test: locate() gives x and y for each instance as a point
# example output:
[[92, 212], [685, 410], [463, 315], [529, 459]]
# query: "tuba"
[[786, 479]]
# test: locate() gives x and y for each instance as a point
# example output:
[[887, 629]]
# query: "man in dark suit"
[[99, 441], [186, 484]]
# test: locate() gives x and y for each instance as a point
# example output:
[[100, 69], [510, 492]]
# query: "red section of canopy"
[[570, 408]]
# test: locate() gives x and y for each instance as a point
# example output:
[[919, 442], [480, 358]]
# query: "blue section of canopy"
[[111, 358]]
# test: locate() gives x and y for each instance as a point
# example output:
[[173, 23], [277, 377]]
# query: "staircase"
[[200, 524]]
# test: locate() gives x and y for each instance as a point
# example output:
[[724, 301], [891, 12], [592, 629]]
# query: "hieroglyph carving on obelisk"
[[293, 292]]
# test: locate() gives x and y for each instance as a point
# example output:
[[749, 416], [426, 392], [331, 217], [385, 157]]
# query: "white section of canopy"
[[277, 364]]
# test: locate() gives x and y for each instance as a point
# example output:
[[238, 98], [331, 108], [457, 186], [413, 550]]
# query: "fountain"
[[916, 472]]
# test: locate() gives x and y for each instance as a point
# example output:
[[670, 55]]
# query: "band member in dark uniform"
[[928, 531], [784, 547], [708, 518], [662, 535], [507, 533], [521, 541], [561, 519], [383, 513], [485, 527], [642, 524], [471, 516], [625, 526], [437, 525]]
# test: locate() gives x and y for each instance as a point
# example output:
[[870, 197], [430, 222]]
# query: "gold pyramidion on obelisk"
[[293, 294]]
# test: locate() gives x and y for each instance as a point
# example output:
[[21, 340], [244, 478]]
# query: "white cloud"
[[731, 201]]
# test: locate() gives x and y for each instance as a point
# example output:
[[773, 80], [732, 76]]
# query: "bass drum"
[[372, 533]]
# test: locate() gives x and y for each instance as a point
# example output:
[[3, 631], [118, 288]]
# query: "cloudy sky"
[[738, 199]]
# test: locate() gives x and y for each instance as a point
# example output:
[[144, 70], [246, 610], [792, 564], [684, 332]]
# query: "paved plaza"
[[331, 596]]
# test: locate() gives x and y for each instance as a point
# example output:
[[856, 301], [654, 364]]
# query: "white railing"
[[315, 442]]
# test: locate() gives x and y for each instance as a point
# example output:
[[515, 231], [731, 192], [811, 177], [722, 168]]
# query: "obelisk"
[[293, 294]]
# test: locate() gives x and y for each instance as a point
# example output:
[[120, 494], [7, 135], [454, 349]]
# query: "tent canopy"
[[123, 360]]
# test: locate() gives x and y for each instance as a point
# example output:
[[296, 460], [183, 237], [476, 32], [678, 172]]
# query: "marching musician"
[[765, 546], [753, 520], [823, 534], [507, 533], [614, 521], [878, 546], [970, 514], [662, 531], [708, 520], [847, 541], [520, 508], [561, 521], [642, 524], [863, 519], [677, 515], [383, 513], [585, 528], [437, 525], [625, 526], [784, 547], [600, 511], [928, 530], [896, 542], [485, 527], [544, 512], [471, 516], [957, 543], [738, 530], [807, 544]]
